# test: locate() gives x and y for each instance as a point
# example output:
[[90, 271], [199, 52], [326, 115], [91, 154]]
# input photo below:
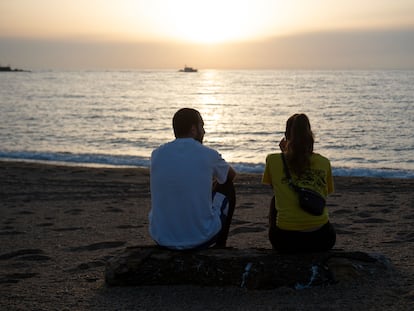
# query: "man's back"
[[181, 188]]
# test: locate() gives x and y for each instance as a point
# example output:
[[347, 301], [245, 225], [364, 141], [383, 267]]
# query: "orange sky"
[[208, 34]]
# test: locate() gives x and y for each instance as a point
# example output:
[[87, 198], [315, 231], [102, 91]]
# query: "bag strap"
[[287, 173]]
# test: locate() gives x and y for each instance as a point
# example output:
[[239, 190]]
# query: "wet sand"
[[59, 225]]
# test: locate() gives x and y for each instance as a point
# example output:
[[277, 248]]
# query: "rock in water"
[[250, 268]]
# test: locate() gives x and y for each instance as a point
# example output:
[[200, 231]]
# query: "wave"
[[109, 160], [76, 158], [373, 172]]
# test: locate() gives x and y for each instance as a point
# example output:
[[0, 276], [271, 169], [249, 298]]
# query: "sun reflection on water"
[[211, 109]]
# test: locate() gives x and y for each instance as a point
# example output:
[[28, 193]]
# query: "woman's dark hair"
[[300, 141], [183, 120]]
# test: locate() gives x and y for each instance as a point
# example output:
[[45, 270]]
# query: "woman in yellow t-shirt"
[[291, 229]]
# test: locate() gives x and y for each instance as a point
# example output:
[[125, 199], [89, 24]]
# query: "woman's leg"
[[294, 241], [272, 221], [323, 239]]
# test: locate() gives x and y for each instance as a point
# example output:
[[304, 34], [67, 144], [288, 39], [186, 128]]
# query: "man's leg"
[[227, 190]]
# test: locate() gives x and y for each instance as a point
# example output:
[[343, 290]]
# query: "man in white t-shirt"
[[187, 210]]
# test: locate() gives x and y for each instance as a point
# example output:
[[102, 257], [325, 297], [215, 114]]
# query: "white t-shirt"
[[181, 214]]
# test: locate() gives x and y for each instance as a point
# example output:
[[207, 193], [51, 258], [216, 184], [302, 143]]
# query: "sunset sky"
[[221, 34]]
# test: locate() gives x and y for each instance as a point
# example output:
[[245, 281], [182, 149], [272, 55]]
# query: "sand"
[[59, 225]]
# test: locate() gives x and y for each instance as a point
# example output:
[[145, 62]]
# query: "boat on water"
[[188, 69]]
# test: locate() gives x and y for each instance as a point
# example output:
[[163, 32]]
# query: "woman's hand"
[[283, 144]]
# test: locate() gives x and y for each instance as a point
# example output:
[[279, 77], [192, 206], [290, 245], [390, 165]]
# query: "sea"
[[363, 121]]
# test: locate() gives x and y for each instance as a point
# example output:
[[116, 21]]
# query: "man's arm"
[[231, 174]]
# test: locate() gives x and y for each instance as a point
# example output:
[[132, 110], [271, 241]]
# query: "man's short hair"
[[183, 120]]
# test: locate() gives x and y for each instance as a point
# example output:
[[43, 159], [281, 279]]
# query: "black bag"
[[310, 201]]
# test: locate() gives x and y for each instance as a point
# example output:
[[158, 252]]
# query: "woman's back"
[[317, 177], [290, 227]]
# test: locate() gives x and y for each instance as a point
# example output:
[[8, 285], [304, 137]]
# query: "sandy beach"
[[60, 224]]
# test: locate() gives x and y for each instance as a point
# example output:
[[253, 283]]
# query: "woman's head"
[[300, 142]]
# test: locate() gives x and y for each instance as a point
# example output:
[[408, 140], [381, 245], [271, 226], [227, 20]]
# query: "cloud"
[[392, 49], [376, 49]]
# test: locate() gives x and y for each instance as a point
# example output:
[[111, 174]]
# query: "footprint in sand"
[[342, 212], [409, 216], [16, 277], [390, 198], [11, 232], [372, 221], [331, 205], [68, 229], [342, 228], [7, 228], [9, 221], [74, 211], [246, 229], [26, 254], [406, 236], [91, 264], [35, 258], [112, 209], [25, 213], [344, 232], [97, 246], [246, 205], [336, 195], [98, 262], [364, 214], [376, 205], [239, 222], [45, 224], [129, 226]]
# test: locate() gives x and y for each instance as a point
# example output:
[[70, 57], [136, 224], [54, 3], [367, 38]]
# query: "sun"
[[203, 21], [212, 21]]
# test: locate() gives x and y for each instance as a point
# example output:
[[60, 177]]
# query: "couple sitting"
[[193, 196]]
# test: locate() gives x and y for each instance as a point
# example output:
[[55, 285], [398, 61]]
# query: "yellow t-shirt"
[[318, 178]]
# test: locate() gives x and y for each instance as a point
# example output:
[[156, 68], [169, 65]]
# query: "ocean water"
[[362, 120]]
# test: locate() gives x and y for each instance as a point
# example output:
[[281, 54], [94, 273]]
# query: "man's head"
[[187, 122]]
